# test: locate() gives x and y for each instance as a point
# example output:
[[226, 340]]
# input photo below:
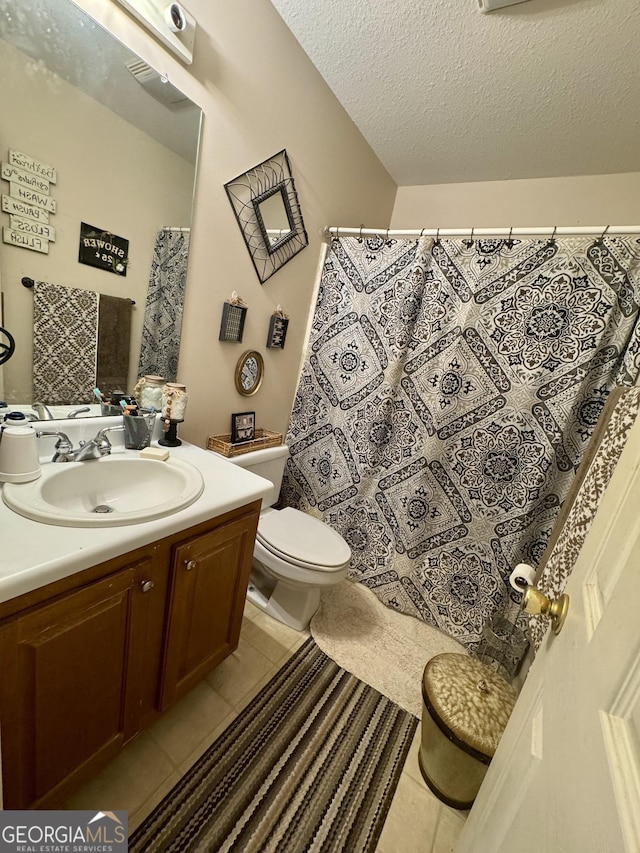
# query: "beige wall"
[[107, 177], [585, 200], [260, 94]]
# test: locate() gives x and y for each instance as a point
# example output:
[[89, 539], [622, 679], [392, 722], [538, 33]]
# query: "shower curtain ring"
[[387, 237], [361, 227], [509, 240], [552, 239], [469, 243], [437, 240]]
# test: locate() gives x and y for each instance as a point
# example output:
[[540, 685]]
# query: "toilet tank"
[[268, 463]]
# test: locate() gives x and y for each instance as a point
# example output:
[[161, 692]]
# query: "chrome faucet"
[[95, 448], [98, 446], [64, 449], [43, 412], [75, 412]]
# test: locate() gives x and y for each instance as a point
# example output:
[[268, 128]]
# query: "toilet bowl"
[[295, 554]]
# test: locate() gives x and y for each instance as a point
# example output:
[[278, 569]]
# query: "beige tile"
[[250, 610], [199, 751], [411, 824], [239, 673], [268, 635], [449, 828], [266, 678], [138, 816], [128, 781], [190, 723]]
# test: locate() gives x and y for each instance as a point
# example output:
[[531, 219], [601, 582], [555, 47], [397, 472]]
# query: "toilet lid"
[[302, 538]]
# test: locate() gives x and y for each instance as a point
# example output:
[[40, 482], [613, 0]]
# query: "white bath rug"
[[385, 649]]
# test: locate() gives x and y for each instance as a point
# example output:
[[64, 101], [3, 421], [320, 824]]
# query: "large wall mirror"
[[124, 143]]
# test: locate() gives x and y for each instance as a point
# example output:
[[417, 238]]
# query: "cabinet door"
[[63, 679], [210, 574]]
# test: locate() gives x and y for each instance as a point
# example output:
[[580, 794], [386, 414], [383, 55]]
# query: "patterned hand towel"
[[65, 330]]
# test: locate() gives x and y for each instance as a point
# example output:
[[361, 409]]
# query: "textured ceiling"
[[444, 93]]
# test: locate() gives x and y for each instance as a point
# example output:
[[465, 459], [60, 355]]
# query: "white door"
[[566, 775]]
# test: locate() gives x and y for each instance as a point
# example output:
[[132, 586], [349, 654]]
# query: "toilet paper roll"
[[521, 576]]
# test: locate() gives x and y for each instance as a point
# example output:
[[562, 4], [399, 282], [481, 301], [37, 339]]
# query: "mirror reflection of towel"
[[65, 323], [114, 340]]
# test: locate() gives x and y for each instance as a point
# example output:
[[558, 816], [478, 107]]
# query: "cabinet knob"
[[146, 586], [190, 565]]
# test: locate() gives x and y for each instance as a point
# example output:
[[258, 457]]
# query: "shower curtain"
[[449, 390], [165, 300]]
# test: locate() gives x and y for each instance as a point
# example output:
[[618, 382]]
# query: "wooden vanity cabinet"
[[88, 662], [210, 574]]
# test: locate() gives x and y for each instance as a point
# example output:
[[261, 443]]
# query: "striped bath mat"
[[311, 764]]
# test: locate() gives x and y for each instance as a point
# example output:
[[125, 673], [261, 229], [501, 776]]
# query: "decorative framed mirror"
[[266, 206], [249, 373]]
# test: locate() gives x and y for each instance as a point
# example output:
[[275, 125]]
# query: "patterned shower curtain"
[[165, 300], [448, 393]]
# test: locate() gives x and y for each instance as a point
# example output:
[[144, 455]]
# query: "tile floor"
[[150, 766]]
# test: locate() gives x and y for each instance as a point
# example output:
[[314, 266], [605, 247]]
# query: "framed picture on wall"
[[243, 427], [277, 331], [232, 323]]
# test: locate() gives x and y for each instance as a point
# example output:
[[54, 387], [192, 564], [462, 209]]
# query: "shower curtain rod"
[[174, 228], [560, 231]]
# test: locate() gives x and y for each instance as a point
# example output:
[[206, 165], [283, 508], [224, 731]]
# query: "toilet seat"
[[302, 540]]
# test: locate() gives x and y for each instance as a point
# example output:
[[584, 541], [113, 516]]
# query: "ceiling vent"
[[490, 5], [156, 85]]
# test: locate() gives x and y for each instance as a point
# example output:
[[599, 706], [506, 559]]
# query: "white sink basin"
[[106, 492]]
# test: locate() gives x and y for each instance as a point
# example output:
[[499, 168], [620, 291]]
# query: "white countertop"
[[33, 554]]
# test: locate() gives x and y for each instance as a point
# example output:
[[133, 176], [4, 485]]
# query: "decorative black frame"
[[246, 192], [277, 332], [235, 427], [232, 322]]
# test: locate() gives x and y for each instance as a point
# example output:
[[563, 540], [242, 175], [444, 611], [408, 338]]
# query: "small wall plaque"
[[30, 164], [233, 316], [29, 202], [102, 249], [30, 196], [277, 331], [25, 241]]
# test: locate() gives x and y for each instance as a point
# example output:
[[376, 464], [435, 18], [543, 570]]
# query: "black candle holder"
[[170, 436]]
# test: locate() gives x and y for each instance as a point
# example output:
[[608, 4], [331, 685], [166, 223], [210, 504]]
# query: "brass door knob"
[[190, 565], [537, 603]]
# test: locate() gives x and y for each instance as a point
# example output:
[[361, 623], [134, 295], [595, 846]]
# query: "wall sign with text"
[[29, 202], [102, 249]]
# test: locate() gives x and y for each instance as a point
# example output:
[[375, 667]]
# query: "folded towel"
[[114, 341], [65, 326]]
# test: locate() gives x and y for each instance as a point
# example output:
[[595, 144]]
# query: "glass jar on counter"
[[148, 392], [174, 401]]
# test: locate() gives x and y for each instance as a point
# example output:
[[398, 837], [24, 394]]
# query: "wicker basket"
[[264, 438]]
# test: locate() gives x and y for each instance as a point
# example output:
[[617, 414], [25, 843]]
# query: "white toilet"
[[295, 554]]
